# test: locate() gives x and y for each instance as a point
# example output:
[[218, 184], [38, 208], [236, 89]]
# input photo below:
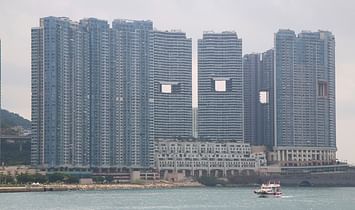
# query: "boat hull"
[[268, 195]]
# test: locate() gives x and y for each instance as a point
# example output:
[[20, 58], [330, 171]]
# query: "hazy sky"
[[255, 21]]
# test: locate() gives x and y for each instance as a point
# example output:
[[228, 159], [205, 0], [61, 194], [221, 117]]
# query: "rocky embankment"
[[67, 187]]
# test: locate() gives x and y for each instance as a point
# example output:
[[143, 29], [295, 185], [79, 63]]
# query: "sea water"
[[183, 198]]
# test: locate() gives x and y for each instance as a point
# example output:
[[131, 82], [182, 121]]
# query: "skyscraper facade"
[[102, 95], [258, 98], [0, 89], [266, 100], [305, 89], [170, 73], [60, 94], [304, 98], [97, 80], [37, 137], [130, 58], [251, 68], [220, 86]]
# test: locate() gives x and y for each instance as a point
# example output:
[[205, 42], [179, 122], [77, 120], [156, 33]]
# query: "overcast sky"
[[255, 21]]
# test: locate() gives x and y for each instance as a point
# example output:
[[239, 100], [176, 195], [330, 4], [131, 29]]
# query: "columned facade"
[[206, 157]]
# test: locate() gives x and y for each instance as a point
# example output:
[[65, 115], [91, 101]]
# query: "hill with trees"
[[10, 119], [15, 144]]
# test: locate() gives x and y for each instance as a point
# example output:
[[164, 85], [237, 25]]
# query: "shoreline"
[[130, 186], [87, 187]]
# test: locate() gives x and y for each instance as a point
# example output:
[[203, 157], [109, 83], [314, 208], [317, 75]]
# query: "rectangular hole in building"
[[220, 86], [264, 97], [166, 88]]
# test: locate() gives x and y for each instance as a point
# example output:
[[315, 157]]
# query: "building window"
[[264, 97], [322, 88]]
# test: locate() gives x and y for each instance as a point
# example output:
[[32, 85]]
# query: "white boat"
[[269, 190]]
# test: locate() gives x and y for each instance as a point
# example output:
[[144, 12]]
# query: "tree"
[[56, 177], [70, 179], [6, 179], [40, 178], [24, 178], [99, 179]]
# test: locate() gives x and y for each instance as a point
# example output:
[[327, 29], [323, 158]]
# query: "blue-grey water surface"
[[183, 198]]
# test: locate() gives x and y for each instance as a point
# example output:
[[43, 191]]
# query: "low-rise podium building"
[[193, 157]]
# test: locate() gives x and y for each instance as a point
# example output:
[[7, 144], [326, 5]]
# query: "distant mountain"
[[10, 119]]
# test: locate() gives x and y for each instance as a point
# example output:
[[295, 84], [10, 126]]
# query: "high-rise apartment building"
[[0, 90], [266, 100], [130, 58], [170, 79], [98, 73], [37, 138], [60, 94], [101, 95], [305, 94], [251, 69], [258, 98], [220, 86]]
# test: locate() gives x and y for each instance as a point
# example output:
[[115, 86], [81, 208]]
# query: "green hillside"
[[10, 119], [14, 151]]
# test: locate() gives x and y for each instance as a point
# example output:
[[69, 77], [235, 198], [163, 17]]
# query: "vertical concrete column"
[[283, 155], [135, 176], [165, 174], [224, 169], [192, 169], [208, 168]]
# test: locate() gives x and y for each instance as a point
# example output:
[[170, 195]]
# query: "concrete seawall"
[[317, 179]]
